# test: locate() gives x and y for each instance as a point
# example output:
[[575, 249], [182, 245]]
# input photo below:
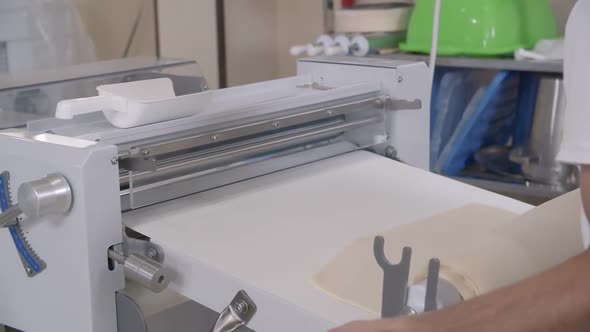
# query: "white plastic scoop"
[[139, 103]]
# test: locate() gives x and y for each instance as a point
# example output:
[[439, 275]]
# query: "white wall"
[[299, 22], [109, 24], [251, 41], [188, 30], [259, 35]]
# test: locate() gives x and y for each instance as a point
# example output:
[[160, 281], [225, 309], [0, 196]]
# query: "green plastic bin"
[[481, 27]]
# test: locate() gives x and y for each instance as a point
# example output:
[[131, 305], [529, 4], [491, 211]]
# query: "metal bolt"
[[276, 124], [29, 271], [145, 153], [115, 161], [214, 138], [241, 307], [152, 253], [400, 79], [379, 102], [330, 113]]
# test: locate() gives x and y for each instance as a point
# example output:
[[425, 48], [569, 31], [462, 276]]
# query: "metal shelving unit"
[[544, 67], [533, 193]]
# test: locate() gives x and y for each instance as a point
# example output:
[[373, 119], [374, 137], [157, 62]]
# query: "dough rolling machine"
[[245, 199]]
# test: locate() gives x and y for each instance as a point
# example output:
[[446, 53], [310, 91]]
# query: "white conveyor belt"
[[269, 235]]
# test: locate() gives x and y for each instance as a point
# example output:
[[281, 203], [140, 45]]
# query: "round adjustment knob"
[[51, 194]]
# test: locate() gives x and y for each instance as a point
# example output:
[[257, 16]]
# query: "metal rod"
[[172, 165], [117, 257], [133, 32], [221, 43], [227, 134], [155, 192], [432, 285], [157, 28], [242, 152]]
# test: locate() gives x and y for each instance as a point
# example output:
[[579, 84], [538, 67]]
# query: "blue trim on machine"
[[19, 242]]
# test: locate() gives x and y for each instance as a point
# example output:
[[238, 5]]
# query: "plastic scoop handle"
[[67, 109]]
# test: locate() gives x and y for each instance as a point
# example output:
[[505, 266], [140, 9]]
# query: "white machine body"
[[254, 194]]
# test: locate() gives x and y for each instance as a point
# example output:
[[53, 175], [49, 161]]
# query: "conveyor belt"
[[270, 234]]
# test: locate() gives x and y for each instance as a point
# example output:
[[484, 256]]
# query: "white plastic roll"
[[360, 45], [325, 40], [313, 50], [341, 46], [322, 43], [298, 50]]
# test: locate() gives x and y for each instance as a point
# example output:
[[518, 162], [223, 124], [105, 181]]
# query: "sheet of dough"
[[480, 247]]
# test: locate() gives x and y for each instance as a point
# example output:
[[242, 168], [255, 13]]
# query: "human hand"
[[385, 325]]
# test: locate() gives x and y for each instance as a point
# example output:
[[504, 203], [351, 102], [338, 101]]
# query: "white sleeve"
[[575, 145], [585, 230]]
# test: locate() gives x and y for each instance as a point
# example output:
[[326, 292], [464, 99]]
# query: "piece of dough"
[[354, 276], [480, 248]]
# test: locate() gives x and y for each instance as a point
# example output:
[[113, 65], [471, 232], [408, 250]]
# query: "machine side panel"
[[409, 130], [77, 291]]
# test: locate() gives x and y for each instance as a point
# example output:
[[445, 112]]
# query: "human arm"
[[559, 299]]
